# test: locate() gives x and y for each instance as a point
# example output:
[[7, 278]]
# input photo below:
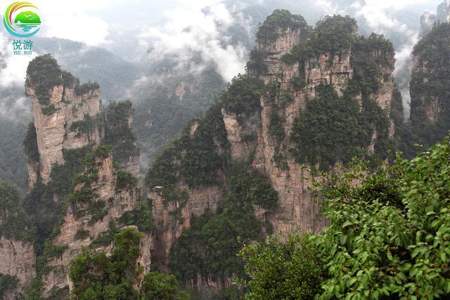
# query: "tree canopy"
[[388, 237]]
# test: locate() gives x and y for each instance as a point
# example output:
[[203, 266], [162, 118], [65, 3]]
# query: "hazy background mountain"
[[171, 58]]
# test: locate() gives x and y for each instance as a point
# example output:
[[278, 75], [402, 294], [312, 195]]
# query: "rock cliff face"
[[428, 19], [119, 121], [261, 136], [430, 85], [17, 259], [298, 211], [83, 164], [70, 118], [172, 218], [88, 220]]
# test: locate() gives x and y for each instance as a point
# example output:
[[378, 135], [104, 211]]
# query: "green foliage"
[[118, 132], [289, 59], [81, 234], [276, 129], [388, 238], [13, 161], [80, 168], [255, 65], [30, 144], [430, 86], [97, 210], [86, 88], [7, 283], [59, 293], [162, 113], [397, 107], [209, 248], [44, 212], [101, 152], [278, 22], [332, 129], [242, 95], [14, 222], [161, 286], [46, 251], [375, 120], [43, 73], [337, 35], [61, 178], [333, 34], [205, 153], [125, 181], [194, 159], [283, 270], [278, 99], [69, 80], [83, 197], [33, 292], [85, 126], [141, 217], [299, 82], [247, 186], [52, 250], [164, 171], [105, 238], [97, 276], [90, 165], [369, 57], [49, 109]]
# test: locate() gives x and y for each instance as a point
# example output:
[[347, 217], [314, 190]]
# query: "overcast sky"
[[181, 26], [169, 26], [95, 21]]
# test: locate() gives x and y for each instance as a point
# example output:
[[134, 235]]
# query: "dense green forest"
[[388, 238], [430, 86], [98, 276]]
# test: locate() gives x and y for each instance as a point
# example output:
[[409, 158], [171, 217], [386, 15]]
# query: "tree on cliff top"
[[279, 20], [43, 73]]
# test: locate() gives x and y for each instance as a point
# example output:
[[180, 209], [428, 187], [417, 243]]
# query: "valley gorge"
[[252, 131], [312, 100]]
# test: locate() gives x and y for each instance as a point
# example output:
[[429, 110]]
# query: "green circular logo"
[[21, 19]]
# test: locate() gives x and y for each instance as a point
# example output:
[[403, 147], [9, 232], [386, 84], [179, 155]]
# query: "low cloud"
[[198, 28], [15, 70], [403, 69], [197, 33]]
